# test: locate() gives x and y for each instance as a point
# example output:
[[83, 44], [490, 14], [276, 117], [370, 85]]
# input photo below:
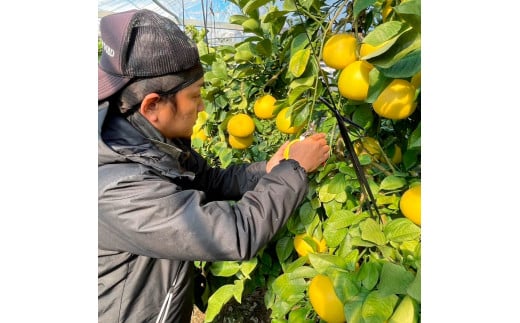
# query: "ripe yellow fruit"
[[303, 248], [340, 50], [325, 301], [397, 157], [241, 125], [240, 142], [200, 134], [353, 80], [410, 204], [368, 145], [283, 122], [396, 102], [264, 107], [387, 9]]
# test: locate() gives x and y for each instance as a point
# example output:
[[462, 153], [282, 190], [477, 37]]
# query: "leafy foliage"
[[374, 261]]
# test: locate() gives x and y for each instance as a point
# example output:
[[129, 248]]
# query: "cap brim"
[[109, 84]]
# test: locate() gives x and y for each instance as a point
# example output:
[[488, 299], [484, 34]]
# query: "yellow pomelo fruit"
[[397, 157], [303, 248], [353, 80], [410, 204], [340, 50], [368, 145], [240, 142], [284, 124], [200, 134], [241, 125], [325, 301], [264, 107], [387, 9], [396, 102]]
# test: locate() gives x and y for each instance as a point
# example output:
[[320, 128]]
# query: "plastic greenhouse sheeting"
[[212, 15]]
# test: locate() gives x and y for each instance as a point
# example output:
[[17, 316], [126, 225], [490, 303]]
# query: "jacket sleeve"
[[150, 216], [223, 184]]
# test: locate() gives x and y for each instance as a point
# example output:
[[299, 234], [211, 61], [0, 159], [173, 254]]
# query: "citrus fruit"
[[240, 142], [368, 145], [303, 248], [199, 134], [340, 50], [325, 301], [264, 107], [202, 117], [241, 125], [353, 80], [410, 204], [284, 124], [397, 156], [396, 102], [387, 9]]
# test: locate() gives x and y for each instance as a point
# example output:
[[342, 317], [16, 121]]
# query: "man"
[[160, 205]]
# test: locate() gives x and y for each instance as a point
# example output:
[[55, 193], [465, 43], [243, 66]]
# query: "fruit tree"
[[305, 59]]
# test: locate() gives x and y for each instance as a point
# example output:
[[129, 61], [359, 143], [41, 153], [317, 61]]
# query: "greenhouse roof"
[[212, 15]]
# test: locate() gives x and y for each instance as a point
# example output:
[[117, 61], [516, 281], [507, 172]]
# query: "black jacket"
[[161, 207]]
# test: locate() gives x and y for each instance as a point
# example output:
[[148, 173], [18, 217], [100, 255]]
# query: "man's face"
[[177, 116]]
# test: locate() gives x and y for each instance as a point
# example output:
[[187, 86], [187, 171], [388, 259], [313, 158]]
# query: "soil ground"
[[252, 309]]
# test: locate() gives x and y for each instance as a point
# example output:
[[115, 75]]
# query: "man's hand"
[[310, 153]]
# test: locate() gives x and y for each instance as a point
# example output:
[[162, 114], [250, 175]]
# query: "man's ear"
[[149, 107]]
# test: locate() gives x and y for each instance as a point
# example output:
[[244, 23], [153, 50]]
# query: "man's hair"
[[131, 96]]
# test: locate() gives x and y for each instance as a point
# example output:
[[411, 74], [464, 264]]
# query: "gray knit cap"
[[143, 44]]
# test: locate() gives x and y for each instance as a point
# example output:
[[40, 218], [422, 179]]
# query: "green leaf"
[[324, 195], [369, 274], [302, 272], [218, 299], [343, 218], [353, 308], [251, 6], [385, 32], [333, 236], [414, 290], [299, 42], [394, 279], [224, 268], [363, 116], [306, 213], [406, 312], [410, 7], [298, 316], [378, 308], [286, 287], [289, 5], [405, 67], [321, 262], [237, 19], [299, 61], [392, 182], [414, 141], [370, 231], [284, 248], [337, 184], [297, 91], [360, 5], [264, 47], [247, 266], [402, 229], [239, 289], [344, 285]]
